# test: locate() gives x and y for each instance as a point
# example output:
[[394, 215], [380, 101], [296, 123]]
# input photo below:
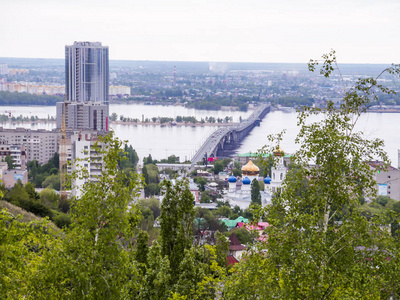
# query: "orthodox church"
[[239, 189]]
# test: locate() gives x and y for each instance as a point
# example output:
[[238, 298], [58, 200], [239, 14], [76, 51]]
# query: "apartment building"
[[40, 145]]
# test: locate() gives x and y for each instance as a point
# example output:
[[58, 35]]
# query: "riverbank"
[[199, 124]]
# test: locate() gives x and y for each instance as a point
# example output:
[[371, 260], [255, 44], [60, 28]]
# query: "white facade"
[[278, 175], [84, 155]]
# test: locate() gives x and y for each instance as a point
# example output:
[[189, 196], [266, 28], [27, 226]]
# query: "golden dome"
[[278, 151], [250, 169]]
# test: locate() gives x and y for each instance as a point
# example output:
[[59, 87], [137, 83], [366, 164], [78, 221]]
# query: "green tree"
[[176, 221], [156, 284], [201, 182], [255, 192], [113, 117], [95, 259], [29, 188], [218, 166], [22, 250], [49, 198], [142, 250], [52, 182], [10, 162], [309, 254]]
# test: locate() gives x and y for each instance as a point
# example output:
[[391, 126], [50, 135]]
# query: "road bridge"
[[229, 137]]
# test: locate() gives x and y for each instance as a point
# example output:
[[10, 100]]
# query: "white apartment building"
[[82, 153]]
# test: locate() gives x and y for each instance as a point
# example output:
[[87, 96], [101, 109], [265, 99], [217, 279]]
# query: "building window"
[[281, 176]]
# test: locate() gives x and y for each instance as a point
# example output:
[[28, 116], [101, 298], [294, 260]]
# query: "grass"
[[26, 216]]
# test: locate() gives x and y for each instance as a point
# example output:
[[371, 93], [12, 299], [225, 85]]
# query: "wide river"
[[183, 141]]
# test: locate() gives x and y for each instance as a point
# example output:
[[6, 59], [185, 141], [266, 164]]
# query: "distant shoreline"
[[136, 123]]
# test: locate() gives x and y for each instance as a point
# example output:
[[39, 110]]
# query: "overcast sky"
[[361, 31]]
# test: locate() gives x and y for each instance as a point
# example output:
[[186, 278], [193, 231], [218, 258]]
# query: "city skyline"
[[231, 31]]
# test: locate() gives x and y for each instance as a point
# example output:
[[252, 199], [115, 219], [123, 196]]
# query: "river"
[[183, 141]]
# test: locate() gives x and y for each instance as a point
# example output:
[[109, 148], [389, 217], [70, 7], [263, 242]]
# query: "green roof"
[[232, 223]]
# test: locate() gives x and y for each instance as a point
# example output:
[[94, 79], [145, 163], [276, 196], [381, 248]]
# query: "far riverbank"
[[199, 124]]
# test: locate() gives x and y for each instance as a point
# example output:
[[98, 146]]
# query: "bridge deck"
[[233, 134]]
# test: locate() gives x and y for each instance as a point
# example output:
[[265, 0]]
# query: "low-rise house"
[[11, 177], [236, 249]]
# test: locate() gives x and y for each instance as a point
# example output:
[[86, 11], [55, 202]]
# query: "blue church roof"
[[246, 180], [232, 178], [267, 180]]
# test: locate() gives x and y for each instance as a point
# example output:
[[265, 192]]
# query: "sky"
[[293, 31]]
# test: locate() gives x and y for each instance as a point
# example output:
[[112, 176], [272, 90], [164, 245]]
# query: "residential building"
[[86, 87], [11, 177], [78, 115], [387, 181], [86, 72], [82, 153], [40, 145]]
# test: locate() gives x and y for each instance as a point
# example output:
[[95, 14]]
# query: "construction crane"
[[63, 153]]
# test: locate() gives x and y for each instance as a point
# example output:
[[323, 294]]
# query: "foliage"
[[62, 220], [309, 254], [176, 222], [18, 196], [205, 197], [128, 158], [38, 173], [218, 166], [52, 182], [151, 179], [142, 250], [22, 249], [244, 236], [10, 162], [49, 198], [237, 172], [205, 225], [201, 182], [24, 99], [156, 283], [226, 162], [94, 260], [255, 192]]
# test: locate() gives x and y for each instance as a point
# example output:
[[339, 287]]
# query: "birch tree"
[[319, 244]]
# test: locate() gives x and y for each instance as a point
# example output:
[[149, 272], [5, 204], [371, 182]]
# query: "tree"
[[142, 250], [49, 198], [255, 192], [10, 162], [95, 259], [113, 117], [218, 166], [226, 162], [52, 182], [201, 182], [176, 221], [309, 254], [22, 247]]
